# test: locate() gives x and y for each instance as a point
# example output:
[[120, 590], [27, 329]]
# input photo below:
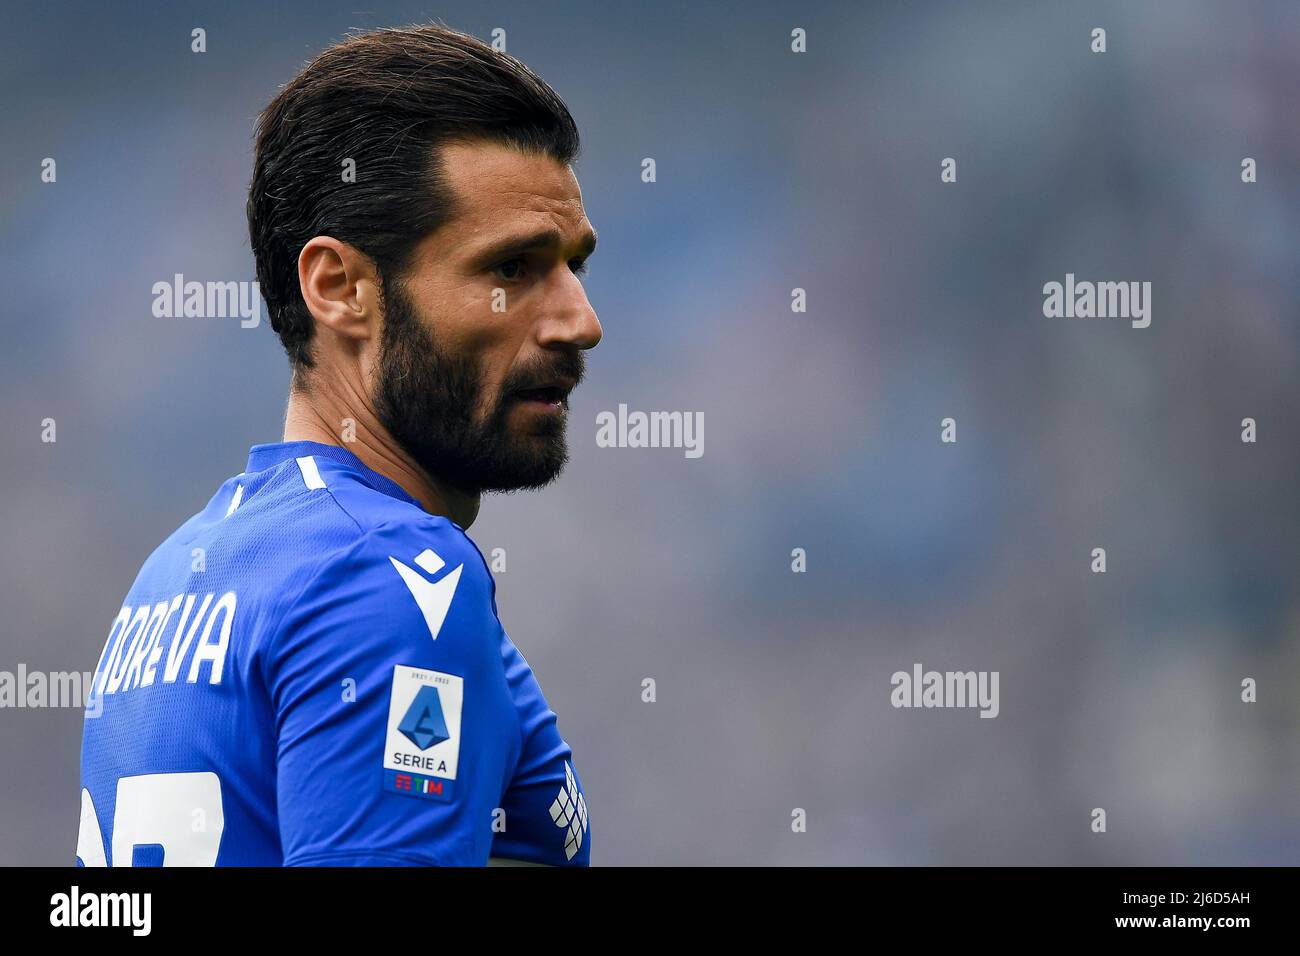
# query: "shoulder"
[[342, 524], [375, 570]]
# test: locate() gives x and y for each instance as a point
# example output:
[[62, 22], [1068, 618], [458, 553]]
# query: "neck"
[[317, 414]]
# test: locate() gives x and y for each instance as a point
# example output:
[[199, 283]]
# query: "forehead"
[[499, 188]]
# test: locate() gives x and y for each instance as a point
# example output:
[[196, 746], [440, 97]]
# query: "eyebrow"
[[541, 239]]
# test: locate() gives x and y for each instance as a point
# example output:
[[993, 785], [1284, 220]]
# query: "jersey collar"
[[262, 457]]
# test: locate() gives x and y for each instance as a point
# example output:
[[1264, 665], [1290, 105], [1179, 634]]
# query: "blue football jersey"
[[311, 671]]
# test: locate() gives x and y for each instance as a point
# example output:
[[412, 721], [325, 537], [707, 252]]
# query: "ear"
[[340, 286]]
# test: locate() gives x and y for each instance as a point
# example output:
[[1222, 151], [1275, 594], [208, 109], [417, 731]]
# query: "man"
[[311, 669]]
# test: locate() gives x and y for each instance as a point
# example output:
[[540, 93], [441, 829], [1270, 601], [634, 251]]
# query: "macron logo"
[[433, 597]]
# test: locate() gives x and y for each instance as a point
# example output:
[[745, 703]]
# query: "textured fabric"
[[312, 671]]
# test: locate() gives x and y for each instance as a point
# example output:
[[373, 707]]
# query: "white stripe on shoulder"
[[310, 473], [235, 500]]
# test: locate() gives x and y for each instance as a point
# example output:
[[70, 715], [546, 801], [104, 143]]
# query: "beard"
[[431, 403]]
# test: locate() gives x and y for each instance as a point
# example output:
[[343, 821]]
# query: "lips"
[[547, 395], [553, 393]]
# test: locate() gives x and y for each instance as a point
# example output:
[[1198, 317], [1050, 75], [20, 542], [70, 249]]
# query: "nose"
[[570, 321]]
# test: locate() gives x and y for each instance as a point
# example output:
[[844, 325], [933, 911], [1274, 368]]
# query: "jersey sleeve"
[[396, 735], [545, 808]]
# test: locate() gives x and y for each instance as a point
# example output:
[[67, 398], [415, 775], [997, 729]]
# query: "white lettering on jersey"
[[134, 648], [181, 812]]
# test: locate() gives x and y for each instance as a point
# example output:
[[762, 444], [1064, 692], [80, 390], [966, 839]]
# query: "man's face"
[[483, 341]]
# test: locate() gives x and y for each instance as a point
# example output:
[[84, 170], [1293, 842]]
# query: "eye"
[[579, 266], [511, 269]]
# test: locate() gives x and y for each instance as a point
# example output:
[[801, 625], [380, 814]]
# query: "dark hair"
[[389, 100]]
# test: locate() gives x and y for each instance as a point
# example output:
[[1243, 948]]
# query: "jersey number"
[[163, 819]]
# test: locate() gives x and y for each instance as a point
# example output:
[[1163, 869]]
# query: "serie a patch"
[[423, 742]]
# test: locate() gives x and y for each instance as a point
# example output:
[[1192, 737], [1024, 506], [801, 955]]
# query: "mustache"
[[562, 367]]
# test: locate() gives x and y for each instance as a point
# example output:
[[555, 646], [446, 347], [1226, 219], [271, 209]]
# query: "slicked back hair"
[[388, 100]]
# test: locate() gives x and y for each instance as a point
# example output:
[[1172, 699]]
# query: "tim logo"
[[424, 724]]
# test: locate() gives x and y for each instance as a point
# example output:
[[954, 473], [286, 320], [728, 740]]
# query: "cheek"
[[497, 350], [474, 328], [493, 340], [490, 396]]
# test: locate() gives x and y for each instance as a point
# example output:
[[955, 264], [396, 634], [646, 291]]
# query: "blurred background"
[[775, 170]]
